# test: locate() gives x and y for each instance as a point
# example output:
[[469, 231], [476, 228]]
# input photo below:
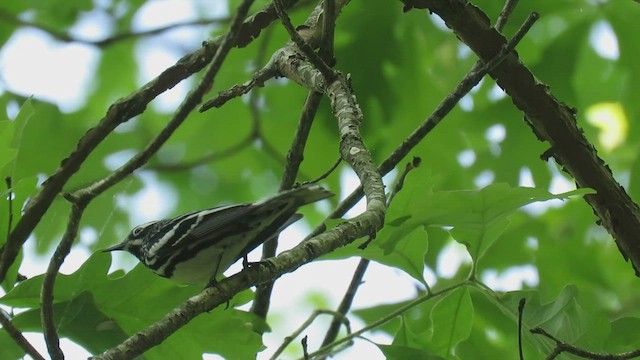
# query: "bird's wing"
[[212, 220], [186, 230]]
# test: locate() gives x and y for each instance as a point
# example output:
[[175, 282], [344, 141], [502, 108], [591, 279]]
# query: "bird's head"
[[135, 240]]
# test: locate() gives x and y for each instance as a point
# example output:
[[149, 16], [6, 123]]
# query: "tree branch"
[[336, 317], [328, 32], [345, 303], [308, 52], [46, 294], [17, 336], [9, 184], [507, 9], [585, 354], [108, 41], [551, 120]]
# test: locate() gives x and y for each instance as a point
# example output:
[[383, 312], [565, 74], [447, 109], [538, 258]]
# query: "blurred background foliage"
[[402, 65]]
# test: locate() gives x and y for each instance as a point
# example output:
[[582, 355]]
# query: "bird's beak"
[[114, 248]]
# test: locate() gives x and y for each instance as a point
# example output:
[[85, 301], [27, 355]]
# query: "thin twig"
[[305, 347], [328, 30], [256, 116], [506, 12], [503, 18], [308, 52], [397, 187], [289, 339], [522, 31], [46, 294], [347, 300], [16, 335], [273, 152], [520, 313], [262, 299], [568, 348], [296, 151], [124, 36], [208, 158], [238, 90], [326, 173], [65, 37], [257, 80], [8, 181], [414, 163]]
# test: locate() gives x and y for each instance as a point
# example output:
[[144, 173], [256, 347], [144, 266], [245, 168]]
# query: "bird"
[[197, 247]]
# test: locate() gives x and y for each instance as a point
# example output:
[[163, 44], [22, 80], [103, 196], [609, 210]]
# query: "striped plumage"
[[194, 247]]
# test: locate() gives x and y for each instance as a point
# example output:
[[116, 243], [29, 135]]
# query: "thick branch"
[[551, 120]]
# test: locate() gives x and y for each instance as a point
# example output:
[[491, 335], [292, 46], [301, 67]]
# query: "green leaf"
[[399, 352], [624, 335], [88, 299], [90, 276], [12, 273], [8, 152], [408, 253], [11, 135], [80, 321], [8, 347], [477, 217], [563, 317], [451, 321], [129, 308], [376, 312], [405, 336]]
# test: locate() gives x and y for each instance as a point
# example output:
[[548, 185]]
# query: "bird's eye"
[[140, 229], [137, 230]]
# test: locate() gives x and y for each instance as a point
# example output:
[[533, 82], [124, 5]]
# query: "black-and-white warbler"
[[196, 247]]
